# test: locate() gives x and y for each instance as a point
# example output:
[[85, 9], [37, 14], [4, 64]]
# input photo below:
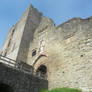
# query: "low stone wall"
[[20, 81]]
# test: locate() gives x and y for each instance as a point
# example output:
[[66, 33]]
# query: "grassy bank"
[[62, 90]]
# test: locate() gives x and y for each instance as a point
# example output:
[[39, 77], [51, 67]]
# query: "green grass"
[[62, 90]]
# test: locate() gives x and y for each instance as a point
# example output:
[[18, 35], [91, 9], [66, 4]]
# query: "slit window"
[[33, 53], [5, 53], [9, 42], [13, 32]]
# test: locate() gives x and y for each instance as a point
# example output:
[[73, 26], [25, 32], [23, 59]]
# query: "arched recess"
[[38, 59], [42, 71], [5, 88]]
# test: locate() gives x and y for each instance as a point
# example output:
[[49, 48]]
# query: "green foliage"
[[44, 91], [62, 90]]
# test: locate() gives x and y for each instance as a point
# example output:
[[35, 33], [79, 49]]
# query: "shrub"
[[62, 90], [44, 91]]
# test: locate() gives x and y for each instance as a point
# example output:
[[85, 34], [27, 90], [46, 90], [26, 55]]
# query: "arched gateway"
[[42, 71]]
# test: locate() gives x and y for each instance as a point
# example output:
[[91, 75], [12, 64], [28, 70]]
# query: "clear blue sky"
[[58, 10]]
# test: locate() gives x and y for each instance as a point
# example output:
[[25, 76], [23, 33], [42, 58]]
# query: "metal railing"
[[7, 61], [21, 66], [17, 65]]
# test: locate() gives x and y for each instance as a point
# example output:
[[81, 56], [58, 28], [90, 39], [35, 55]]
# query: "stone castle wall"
[[18, 81], [65, 50], [33, 20], [68, 54]]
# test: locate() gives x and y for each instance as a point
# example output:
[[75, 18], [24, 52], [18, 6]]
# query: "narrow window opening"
[[13, 32], [33, 53], [9, 42], [5, 53]]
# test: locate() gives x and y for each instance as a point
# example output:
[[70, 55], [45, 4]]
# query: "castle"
[[61, 55]]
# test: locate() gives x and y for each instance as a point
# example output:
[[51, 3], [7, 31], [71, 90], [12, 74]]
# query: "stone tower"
[[62, 54], [21, 34]]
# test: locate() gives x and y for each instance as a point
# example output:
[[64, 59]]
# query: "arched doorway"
[[42, 71], [5, 88]]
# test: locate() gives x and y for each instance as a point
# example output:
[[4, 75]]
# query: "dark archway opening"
[[5, 88], [42, 71]]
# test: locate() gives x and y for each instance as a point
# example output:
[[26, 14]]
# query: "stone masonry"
[[65, 51], [12, 80]]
